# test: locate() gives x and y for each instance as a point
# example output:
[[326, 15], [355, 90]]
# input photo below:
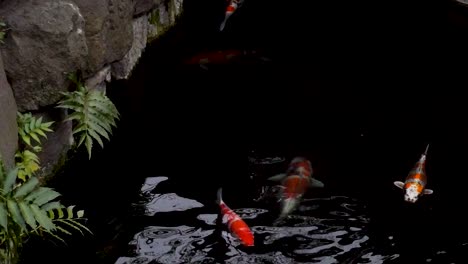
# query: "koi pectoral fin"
[[399, 184], [314, 183], [428, 191], [277, 177]]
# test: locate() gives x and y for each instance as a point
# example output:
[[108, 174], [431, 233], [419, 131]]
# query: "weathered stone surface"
[[144, 6], [108, 31], [98, 81], [123, 68], [55, 147], [8, 125], [44, 43]]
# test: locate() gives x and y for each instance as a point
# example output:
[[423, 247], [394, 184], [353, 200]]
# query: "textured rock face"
[[108, 30], [8, 125], [144, 6], [123, 68], [45, 42]]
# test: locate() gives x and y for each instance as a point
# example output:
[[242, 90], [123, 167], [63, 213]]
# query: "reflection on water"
[[167, 202], [322, 230]]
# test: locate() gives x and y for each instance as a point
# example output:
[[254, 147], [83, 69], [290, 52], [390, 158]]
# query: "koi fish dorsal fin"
[[314, 183], [427, 148], [219, 199], [399, 184], [428, 191], [277, 177]]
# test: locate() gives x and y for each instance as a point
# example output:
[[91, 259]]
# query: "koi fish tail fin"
[[425, 152], [219, 199], [314, 183], [223, 24]]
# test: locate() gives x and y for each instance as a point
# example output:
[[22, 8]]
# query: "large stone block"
[[8, 125], [45, 41]]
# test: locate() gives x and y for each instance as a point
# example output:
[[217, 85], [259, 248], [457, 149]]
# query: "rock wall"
[[48, 39]]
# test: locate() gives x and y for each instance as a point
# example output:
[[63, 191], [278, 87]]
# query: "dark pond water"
[[360, 103]]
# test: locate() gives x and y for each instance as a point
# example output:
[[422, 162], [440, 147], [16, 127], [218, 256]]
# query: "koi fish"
[[233, 5], [295, 182], [415, 183], [224, 57], [236, 225]]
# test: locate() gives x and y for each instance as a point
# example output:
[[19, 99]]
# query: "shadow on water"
[[362, 122]]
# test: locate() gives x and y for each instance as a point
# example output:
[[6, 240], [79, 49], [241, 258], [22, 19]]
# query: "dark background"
[[358, 88]]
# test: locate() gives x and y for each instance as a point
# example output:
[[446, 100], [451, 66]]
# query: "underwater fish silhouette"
[[236, 225], [232, 6], [415, 183], [295, 182], [218, 57]]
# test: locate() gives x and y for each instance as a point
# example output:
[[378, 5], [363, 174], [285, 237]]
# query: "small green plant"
[[30, 127], [28, 209], [3, 30], [93, 114]]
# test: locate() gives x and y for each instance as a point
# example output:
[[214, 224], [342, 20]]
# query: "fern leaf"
[[3, 216], [97, 128], [63, 230], [15, 213], [80, 128], [40, 132], [46, 197], [106, 124], [35, 137], [10, 180], [27, 214], [70, 224], [60, 212], [36, 193], [70, 211], [26, 188], [81, 226], [80, 213], [75, 116], [96, 137], [51, 206], [50, 213], [89, 145], [42, 218], [56, 236], [27, 139]]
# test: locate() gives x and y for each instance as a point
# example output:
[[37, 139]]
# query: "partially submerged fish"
[[295, 182], [219, 57], [232, 6], [415, 183], [236, 225]]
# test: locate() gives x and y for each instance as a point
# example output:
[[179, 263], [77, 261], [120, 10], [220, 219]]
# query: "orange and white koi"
[[236, 225], [295, 182], [232, 6], [415, 183]]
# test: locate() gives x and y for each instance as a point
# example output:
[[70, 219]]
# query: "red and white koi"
[[236, 225], [232, 6], [415, 183], [295, 182], [220, 57]]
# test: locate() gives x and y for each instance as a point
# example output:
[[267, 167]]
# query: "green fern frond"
[[93, 113], [32, 127], [69, 219], [27, 163]]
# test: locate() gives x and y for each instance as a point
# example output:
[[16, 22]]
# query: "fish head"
[[412, 193], [288, 205]]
